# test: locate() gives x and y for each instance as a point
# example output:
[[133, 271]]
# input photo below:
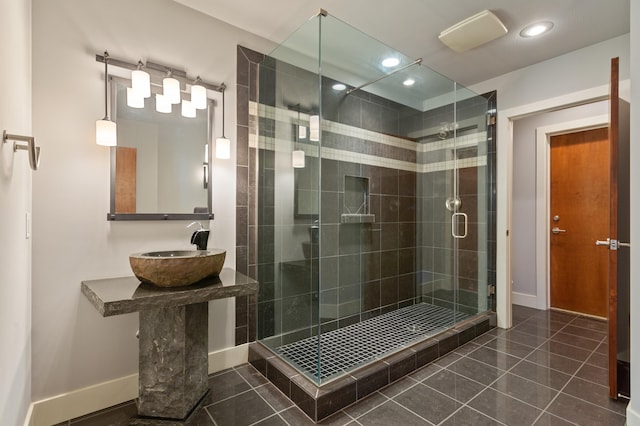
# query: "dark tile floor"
[[549, 369]]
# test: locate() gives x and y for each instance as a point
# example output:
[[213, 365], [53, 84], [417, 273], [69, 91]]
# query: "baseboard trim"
[[633, 417], [523, 299], [83, 401]]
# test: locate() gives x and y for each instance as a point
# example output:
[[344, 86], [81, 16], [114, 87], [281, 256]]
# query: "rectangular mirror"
[[160, 167]]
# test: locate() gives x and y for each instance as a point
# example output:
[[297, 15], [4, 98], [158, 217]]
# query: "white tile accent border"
[[107, 394], [285, 145]]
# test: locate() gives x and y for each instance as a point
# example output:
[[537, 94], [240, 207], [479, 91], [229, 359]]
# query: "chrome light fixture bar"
[[159, 71]]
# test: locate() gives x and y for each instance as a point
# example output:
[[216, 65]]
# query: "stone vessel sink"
[[177, 268]]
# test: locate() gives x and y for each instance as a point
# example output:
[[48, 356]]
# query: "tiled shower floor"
[[549, 369], [348, 347]]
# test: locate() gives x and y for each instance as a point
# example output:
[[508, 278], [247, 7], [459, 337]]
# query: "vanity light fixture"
[[223, 145], [536, 29], [140, 82], [171, 88], [188, 110], [390, 62], [409, 82], [314, 128], [106, 131], [162, 104], [198, 94]]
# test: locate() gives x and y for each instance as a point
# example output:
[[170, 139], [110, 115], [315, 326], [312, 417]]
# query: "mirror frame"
[[113, 215]]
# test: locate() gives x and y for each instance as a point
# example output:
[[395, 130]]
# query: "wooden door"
[[125, 196], [617, 241], [579, 209]]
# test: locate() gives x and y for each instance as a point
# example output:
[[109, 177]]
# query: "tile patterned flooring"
[[550, 369]]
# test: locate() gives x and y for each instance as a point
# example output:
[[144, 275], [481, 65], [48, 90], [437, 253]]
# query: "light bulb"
[[106, 132], [171, 90], [162, 104]]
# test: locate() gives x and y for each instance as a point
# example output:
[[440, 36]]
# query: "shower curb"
[[319, 402]]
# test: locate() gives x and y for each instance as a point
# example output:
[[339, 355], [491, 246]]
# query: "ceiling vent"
[[472, 32]]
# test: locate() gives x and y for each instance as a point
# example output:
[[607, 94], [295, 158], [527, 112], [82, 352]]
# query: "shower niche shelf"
[[356, 207]]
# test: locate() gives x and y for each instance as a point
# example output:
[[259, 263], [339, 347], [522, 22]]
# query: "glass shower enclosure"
[[374, 199]]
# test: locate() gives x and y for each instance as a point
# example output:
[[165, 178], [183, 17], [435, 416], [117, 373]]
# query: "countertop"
[[116, 296]]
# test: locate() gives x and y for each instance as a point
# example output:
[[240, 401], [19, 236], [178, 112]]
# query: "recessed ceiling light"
[[390, 62], [534, 30], [338, 86], [409, 82]]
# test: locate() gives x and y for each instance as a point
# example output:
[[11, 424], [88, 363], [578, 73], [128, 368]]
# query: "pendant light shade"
[[188, 110], [302, 132], [297, 159], [198, 95], [106, 131], [314, 128], [223, 148], [141, 82], [171, 89], [134, 99], [223, 145], [162, 104]]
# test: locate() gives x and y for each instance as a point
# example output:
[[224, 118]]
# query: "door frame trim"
[[543, 196]]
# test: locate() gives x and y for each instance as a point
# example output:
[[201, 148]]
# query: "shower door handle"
[[453, 225]]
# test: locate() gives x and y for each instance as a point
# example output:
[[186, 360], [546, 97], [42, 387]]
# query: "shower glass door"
[[372, 200]]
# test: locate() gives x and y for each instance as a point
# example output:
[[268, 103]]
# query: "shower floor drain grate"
[[349, 347]]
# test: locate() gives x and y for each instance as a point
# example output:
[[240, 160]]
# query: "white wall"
[[15, 202], [523, 225], [633, 409], [577, 77], [575, 71], [73, 346]]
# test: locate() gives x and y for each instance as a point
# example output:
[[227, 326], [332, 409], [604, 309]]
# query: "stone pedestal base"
[[190, 420], [173, 362]]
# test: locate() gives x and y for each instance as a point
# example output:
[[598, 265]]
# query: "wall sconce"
[[314, 128], [223, 145], [140, 82], [171, 88], [198, 94], [106, 131]]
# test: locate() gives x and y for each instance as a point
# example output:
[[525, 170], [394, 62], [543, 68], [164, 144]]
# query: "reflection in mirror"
[[159, 170]]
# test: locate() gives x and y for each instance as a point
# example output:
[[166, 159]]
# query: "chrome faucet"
[[201, 237]]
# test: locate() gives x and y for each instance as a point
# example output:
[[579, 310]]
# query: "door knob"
[[557, 230]]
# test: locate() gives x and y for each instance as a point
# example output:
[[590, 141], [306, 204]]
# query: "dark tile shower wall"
[[246, 190], [370, 268]]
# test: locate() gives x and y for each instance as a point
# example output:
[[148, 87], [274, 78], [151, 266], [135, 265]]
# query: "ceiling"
[[412, 27]]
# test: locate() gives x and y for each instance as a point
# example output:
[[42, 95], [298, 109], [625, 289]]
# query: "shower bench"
[[173, 339]]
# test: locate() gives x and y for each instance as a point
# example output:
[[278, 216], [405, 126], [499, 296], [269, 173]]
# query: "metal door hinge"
[[492, 289]]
